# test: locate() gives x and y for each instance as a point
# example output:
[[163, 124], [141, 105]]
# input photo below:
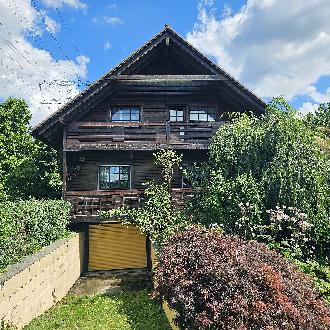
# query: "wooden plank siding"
[[83, 167]]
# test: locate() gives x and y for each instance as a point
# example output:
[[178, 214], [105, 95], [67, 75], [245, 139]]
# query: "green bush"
[[27, 226], [268, 179]]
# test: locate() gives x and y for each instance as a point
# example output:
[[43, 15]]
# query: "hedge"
[[27, 226]]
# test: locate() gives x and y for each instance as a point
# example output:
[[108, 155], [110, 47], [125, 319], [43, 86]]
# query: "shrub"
[[320, 274], [27, 226], [214, 281], [267, 163]]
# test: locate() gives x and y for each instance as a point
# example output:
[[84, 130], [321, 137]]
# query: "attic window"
[[125, 115], [202, 114]]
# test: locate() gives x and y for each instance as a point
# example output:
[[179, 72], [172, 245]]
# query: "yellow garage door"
[[114, 246]]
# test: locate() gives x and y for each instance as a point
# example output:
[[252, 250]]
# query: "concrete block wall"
[[34, 285]]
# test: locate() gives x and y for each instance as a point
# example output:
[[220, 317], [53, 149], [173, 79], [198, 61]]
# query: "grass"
[[123, 311]]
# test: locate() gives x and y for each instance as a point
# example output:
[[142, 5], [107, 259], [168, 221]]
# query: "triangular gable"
[[145, 61], [167, 54]]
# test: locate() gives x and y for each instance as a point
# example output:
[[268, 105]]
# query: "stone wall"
[[32, 286]]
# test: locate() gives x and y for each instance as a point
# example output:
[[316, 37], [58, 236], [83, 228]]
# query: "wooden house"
[[165, 95]]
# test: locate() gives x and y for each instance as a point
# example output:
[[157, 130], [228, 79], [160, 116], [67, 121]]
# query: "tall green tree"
[[268, 179], [28, 168], [321, 120]]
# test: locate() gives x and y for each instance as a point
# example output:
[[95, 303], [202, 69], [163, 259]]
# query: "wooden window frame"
[[183, 109], [115, 165], [196, 107], [126, 107]]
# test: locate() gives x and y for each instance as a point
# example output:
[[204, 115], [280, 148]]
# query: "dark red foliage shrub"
[[215, 281]]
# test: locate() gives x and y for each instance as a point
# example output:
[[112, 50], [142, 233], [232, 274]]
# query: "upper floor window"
[[126, 115], [176, 113], [114, 177], [202, 114]]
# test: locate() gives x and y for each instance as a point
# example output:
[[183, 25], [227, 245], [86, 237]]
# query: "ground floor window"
[[114, 177]]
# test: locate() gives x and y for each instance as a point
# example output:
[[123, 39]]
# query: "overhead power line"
[[21, 78], [32, 35], [56, 40], [17, 51], [78, 82], [66, 27]]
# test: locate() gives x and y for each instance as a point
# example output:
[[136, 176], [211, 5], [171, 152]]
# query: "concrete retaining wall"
[[170, 314], [32, 286]]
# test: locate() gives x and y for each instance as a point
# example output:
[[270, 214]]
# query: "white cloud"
[[308, 107], [51, 25], [113, 20], [317, 96], [274, 47], [76, 4], [32, 73], [107, 45]]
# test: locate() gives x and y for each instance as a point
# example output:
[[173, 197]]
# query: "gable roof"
[[51, 128]]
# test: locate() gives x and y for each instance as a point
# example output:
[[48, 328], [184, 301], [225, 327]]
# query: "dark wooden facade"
[[166, 73]]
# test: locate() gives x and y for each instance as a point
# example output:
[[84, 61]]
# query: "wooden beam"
[[65, 167], [169, 77], [136, 146], [247, 95]]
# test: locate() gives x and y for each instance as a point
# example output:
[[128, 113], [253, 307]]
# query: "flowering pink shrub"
[[214, 281], [290, 228]]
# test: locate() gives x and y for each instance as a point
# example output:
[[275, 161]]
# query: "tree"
[[28, 168], [267, 179], [321, 120]]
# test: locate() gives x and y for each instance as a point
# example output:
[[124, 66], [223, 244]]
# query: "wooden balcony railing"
[[86, 205], [168, 133]]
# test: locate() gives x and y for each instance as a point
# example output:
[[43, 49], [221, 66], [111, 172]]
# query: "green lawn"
[[127, 310]]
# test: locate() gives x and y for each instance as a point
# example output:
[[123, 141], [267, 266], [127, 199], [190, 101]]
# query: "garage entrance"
[[114, 246]]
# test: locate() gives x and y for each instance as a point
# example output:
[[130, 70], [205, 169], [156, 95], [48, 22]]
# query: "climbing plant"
[[157, 217]]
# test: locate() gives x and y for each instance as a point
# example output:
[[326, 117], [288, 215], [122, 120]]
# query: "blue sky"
[[138, 21], [272, 47], [132, 24]]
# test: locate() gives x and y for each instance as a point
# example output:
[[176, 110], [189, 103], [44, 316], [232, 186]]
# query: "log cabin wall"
[[152, 111], [83, 167], [155, 109]]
